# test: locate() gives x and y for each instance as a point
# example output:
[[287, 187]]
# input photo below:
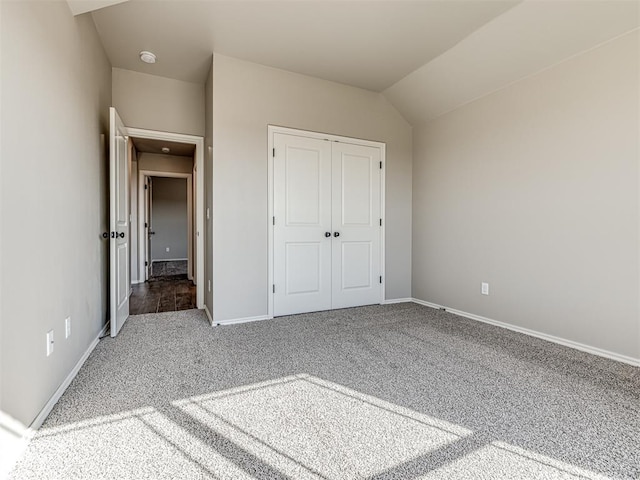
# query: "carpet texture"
[[382, 392]]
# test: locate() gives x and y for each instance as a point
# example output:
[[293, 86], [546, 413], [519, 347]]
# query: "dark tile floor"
[[167, 293]]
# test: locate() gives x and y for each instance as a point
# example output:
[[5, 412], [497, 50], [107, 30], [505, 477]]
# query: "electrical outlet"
[[49, 342], [485, 288], [168, 249], [209, 285], [67, 327]]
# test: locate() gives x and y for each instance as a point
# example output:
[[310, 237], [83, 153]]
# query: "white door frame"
[[272, 130], [142, 243], [198, 142]]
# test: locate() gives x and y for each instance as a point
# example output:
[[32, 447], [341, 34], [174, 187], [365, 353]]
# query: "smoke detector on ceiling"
[[147, 57], [166, 149]]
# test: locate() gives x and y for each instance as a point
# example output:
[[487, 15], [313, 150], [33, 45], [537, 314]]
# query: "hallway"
[[168, 290]]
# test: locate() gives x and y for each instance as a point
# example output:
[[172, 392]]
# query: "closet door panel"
[[356, 225], [302, 210]]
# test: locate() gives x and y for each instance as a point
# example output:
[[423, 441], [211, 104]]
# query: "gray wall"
[[534, 189], [208, 192], [158, 103], [169, 218], [165, 163], [55, 94], [247, 98]]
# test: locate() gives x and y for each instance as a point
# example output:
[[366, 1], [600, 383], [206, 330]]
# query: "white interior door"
[[148, 185], [356, 225], [119, 223], [302, 224]]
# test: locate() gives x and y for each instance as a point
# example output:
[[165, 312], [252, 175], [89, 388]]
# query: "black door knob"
[[121, 234], [327, 234], [336, 234], [105, 234]]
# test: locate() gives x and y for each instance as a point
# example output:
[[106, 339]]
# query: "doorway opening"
[[127, 234], [166, 284], [166, 247], [166, 223], [163, 262]]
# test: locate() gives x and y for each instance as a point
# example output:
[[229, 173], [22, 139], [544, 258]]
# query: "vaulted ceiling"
[[368, 44], [524, 40], [428, 57]]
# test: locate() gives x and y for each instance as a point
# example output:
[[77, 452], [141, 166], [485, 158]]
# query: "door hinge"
[[145, 186], [146, 264], [380, 165], [274, 220], [273, 152], [380, 222], [274, 288], [380, 278], [146, 225]]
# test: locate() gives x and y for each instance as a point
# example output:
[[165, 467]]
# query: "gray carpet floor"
[[382, 392]]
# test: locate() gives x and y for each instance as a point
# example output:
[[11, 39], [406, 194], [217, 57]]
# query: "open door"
[[148, 195], [118, 223]]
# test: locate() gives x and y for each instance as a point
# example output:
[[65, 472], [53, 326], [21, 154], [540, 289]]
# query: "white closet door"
[[356, 225], [302, 210]]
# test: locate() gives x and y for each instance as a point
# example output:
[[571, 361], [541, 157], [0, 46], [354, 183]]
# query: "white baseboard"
[[533, 333], [14, 438], [170, 260], [206, 310], [233, 321], [427, 304], [396, 300], [46, 410], [136, 282]]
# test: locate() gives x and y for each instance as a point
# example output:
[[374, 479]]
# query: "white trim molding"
[[46, 410], [533, 333], [199, 200], [142, 235], [392, 301], [234, 321], [14, 438], [17, 436], [271, 131]]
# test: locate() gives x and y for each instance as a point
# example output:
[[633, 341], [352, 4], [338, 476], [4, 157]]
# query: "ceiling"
[[79, 7], [427, 57], [523, 41], [145, 145], [368, 44]]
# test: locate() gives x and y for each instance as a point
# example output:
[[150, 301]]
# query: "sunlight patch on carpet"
[[307, 427]]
